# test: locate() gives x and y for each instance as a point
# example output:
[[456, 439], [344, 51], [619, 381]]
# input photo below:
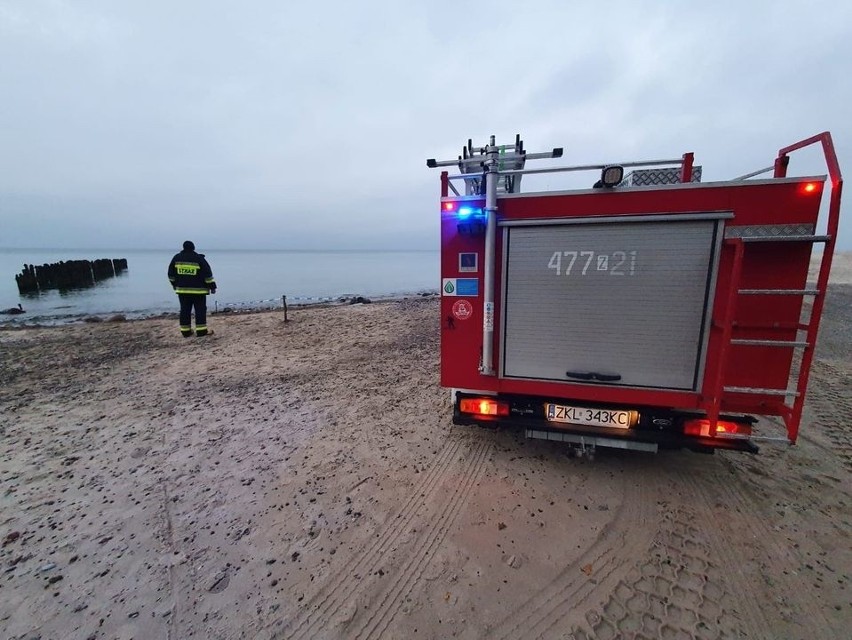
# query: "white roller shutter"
[[618, 302]]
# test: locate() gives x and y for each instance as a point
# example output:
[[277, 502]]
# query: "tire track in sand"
[[675, 591], [830, 401], [697, 581], [719, 495], [169, 540], [392, 599], [613, 554], [341, 588]]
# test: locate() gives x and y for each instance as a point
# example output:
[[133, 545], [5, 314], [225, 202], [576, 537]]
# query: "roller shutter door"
[[620, 303]]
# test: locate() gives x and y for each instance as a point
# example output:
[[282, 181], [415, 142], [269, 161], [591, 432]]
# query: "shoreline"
[[20, 322]]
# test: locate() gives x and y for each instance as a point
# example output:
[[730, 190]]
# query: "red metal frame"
[[754, 266], [686, 167], [833, 222], [715, 405]]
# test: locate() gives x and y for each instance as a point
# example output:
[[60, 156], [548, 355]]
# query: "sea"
[[245, 279]]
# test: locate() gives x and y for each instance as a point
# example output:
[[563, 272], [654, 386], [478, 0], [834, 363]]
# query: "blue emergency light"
[[466, 212]]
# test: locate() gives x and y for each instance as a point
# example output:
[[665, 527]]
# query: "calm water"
[[244, 278]]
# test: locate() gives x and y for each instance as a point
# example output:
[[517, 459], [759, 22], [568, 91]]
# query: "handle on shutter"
[[598, 376]]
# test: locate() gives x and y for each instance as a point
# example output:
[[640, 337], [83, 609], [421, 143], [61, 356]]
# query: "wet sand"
[[303, 480]]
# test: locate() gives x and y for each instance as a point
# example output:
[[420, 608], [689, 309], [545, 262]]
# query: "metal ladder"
[[510, 157], [793, 413]]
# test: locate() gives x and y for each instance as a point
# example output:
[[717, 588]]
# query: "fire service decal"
[[462, 309]]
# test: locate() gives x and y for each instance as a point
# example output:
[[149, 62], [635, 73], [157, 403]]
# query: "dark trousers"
[[187, 303]]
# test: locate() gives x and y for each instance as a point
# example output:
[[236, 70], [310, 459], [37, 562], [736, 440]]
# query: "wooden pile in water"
[[70, 274]]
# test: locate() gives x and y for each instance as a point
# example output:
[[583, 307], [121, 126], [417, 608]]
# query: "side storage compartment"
[[616, 302]]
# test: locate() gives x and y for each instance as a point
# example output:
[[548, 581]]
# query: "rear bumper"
[[657, 428]]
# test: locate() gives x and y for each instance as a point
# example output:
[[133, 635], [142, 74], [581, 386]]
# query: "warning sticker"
[[462, 309], [488, 319], [468, 262]]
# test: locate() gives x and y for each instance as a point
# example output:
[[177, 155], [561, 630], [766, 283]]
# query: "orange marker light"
[[810, 187], [701, 427], [484, 407], [449, 206]]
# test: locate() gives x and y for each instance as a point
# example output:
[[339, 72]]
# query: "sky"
[[285, 125]]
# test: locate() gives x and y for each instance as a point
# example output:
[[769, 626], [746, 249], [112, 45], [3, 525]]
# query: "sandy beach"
[[303, 480]]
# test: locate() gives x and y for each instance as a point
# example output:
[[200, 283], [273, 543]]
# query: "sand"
[[303, 480]]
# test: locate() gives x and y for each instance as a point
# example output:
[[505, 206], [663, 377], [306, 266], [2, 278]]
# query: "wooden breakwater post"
[[70, 274], [102, 269], [26, 280]]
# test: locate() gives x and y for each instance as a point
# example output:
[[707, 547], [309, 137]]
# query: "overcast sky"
[[306, 124]]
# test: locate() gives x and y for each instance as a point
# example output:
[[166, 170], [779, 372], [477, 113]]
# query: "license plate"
[[592, 417]]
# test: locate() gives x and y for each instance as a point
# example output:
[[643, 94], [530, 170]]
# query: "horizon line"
[[168, 249]]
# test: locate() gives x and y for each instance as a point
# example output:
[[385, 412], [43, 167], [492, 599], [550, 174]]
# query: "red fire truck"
[[650, 311]]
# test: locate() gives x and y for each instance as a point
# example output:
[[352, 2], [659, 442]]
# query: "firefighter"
[[192, 279]]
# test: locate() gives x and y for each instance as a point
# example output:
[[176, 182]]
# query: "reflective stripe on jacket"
[[189, 273]]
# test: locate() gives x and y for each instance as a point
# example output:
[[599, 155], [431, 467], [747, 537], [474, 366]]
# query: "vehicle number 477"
[[617, 263]]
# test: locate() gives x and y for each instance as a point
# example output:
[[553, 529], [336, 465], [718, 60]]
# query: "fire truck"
[[649, 311]]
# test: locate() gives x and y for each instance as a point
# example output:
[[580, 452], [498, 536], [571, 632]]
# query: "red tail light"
[[484, 407], [701, 427]]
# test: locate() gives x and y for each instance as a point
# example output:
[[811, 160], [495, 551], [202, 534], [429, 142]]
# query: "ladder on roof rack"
[[793, 414], [510, 157]]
